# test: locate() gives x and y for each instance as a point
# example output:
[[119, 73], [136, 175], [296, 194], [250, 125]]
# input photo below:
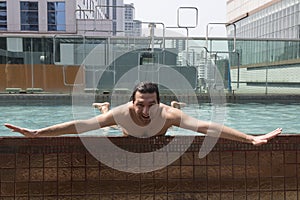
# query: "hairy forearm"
[[219, 130], [72, 127]]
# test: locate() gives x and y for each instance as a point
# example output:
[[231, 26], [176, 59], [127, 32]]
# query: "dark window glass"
[[3, 16], [56, 16], [29, 16]]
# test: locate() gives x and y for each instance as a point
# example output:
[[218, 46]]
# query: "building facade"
[[267, 47], [80, 17], [133, 28], [264, 18]]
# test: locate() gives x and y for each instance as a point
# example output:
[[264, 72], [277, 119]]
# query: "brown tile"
[[173, 172], [252, 184], [291, 183], [64, 188], [78, 174], [7, 175], [187, 159], [291, 194], [227, 184], [226, 171], [35, 188], [213, 185], [239, 184], [107, 186], [78, 187], [7, 189], [253, 195], [161, 173], [21, 189], [161, 196], [91, 161], [213, 158], [107, 173], [265, 195], [265, 183], [213, 172], [278, 183], [252, 171], [134, 196], [92, 173], [50, 188], [92, 187], [187, 186], [290, 170], [265, 158], [240, 195], [148, 175], [278, 195], [199, 161], [64, 174], [161, 186], [213, 196], [36, 174], [133, 186], [147, 196], [50, 160], [277, 169], [200, 172], [252, 158], [265, 171], [227, 196], [187, 172], [64, 160], [226, 158], [78, 160], [50, 174], [7, 161], [201, 195], [147, 186], [277, 158], [200, 185], [290, 157], [22, 160], [36, 160], [173, 186], [22, 175], [106, 197], [239, 158]]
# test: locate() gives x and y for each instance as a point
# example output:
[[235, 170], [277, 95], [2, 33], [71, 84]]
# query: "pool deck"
[[66, 99]]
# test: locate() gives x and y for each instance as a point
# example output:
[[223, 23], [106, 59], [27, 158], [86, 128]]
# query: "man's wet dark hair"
[[145, 87]]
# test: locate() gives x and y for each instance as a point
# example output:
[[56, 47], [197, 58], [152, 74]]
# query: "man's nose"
[[146, 110]]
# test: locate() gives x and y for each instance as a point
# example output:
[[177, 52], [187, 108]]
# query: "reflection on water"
[[251, 118]]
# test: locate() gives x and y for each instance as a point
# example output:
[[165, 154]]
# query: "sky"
[[165, 11]]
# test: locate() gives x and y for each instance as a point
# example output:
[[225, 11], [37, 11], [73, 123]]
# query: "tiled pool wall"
[[62, 168]]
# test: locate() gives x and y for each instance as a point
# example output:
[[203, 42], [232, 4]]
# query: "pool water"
[[252, 118]]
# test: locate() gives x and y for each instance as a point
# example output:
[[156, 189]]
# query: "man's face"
[[144, 105]]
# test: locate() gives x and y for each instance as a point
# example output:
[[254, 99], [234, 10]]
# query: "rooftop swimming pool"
[[252, 118]]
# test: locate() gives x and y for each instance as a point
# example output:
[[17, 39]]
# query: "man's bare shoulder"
[[170, 112]]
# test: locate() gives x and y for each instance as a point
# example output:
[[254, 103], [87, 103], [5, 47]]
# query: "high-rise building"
[[264, 18], [132, 27]]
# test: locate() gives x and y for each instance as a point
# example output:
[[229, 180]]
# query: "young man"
[[145, 116]]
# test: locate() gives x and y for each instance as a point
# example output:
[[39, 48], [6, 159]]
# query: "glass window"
[[29, 16], [56, 16], [3, 15]]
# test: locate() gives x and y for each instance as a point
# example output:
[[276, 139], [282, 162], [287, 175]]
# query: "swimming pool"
[[252, 118]]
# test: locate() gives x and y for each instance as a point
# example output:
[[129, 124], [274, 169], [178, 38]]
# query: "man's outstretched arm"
[[71, 127], [219, 130]]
